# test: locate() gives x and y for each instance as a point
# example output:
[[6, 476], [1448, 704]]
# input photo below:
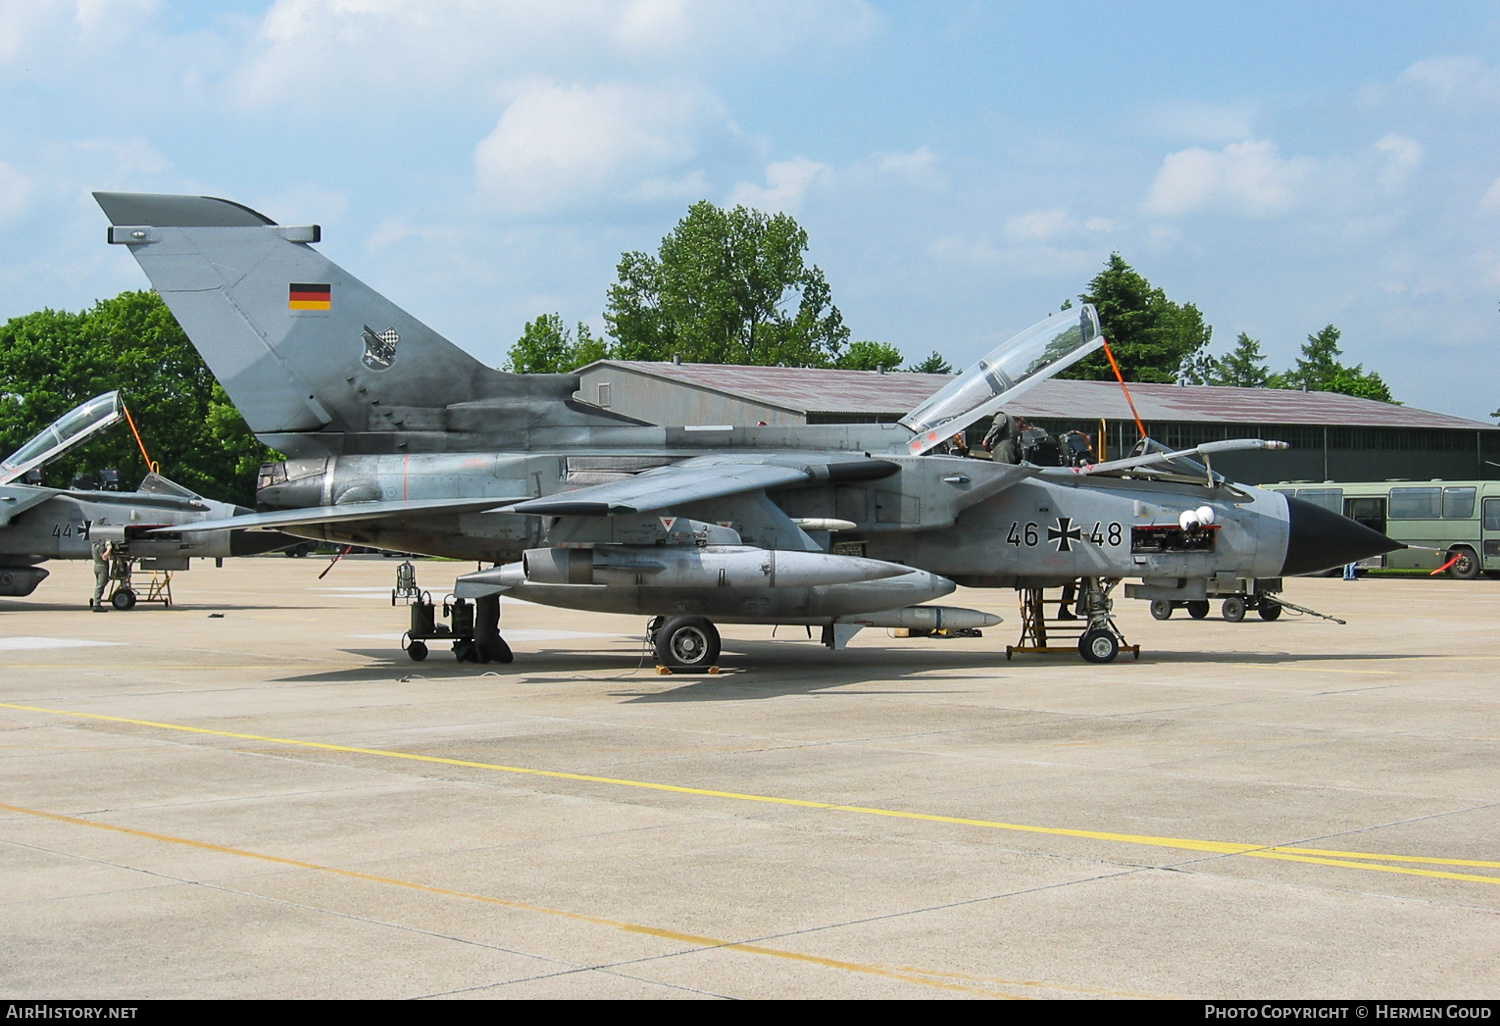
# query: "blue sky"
[[961, 168]]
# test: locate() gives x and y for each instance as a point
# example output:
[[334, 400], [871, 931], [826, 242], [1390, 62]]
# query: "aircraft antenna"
[[1121, 378], [154, 468]]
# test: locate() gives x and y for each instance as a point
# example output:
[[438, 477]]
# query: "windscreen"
[[1011, 368], [63, 433]]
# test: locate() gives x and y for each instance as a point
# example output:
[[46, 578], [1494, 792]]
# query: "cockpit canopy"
[[1010, 369], [61, 435]]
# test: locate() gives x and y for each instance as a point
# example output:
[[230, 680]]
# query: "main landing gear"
[[686, 643], [1099, 640]]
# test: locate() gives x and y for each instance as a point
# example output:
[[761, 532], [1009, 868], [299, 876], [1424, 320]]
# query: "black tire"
[[687, 643], [1161, 609], [1198, 610], [1099, 646], [1233, 609], [498, 651], [123, 599], [1269, 609], [1467, 567], [417, 650]]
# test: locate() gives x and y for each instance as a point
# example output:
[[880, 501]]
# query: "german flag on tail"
[[305, 296]]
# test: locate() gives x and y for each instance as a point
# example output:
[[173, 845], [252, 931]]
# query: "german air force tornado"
[[399, 439]]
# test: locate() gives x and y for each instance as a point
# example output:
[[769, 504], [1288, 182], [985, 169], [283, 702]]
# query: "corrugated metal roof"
[[809, 390], [801, 389]]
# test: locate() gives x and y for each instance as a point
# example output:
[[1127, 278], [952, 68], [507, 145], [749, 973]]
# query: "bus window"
[[1492, 514], [1331, 499], [1416, 503], [1458, 503], [1370, 512]]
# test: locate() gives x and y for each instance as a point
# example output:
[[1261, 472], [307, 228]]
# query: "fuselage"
[[956, 517], [38, 524]]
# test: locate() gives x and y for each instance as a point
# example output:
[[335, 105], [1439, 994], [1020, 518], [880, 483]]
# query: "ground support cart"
[[1246, 594]]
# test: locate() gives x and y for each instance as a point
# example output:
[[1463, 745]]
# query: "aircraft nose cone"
[[1319, 539]]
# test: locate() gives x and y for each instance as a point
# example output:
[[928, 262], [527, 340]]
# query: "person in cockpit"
[[1002, 440]]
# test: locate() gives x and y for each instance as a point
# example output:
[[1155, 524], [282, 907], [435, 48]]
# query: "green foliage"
[[869, 356], [548, 346], [934, 364], [1244, 367], [1150, 335], [51, 361], [1320, 370], [726, 286]]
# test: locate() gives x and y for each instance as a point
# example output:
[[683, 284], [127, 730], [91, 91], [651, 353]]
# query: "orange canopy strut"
[[1121, 378], [152, 467]]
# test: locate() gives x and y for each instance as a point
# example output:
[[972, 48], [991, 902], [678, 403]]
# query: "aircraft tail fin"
[[303, 348]]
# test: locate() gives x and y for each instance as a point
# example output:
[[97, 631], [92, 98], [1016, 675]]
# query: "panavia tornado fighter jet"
[[38, 524], [399, 439]]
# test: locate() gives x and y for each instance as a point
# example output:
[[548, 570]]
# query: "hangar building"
[[1333, 437]]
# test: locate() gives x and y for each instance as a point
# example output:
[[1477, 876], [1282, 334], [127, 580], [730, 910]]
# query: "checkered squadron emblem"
[[380, 349]]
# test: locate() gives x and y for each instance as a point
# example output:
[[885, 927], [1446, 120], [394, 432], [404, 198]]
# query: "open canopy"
[[61, 435], [1012, 367]]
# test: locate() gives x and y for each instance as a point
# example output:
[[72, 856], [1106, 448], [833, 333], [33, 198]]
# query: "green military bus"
[[1440, 520]]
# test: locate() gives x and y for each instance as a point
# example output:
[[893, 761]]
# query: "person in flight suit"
[[1002, 440], [103, 553]]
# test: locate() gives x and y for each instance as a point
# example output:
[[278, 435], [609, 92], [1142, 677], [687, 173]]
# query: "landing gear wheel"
[[1099, 645], [417, 650], [687, 643], [498, 651], [1161, 609], [1467, 567], [123, 599], [1233, 609], [1269, 610], [464, 652], [1198, 610]]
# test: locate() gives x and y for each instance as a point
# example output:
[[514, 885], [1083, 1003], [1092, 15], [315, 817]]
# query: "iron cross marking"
[[1063, 533]]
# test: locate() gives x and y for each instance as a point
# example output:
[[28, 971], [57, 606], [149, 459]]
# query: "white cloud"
[[1460, 81], [1249, 179], [133, 156], [556, 144], [1039, 225], [915, 164], [402, 51], [1200, 122], [787, 183], [42, 33], [1402, 157], [1491, 198]]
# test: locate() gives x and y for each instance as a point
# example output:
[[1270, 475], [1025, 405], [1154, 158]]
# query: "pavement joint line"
[[927, 977], [1339, 859], [169, 879]]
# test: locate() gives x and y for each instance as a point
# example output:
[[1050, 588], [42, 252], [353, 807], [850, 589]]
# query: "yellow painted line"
[[1313, 669], [930, 978], [1342, 859]]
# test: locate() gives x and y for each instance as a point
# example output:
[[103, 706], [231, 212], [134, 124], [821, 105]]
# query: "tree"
[[1319, 369], [50, 361], [1150, 335], [1244, 367], [934, 364], [726, 286], [869, 356], [548, 346]]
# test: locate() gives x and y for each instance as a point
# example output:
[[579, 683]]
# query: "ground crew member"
[[103, 553]]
